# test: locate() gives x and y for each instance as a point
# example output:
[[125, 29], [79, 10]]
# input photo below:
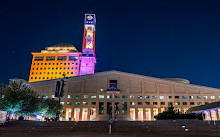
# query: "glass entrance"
[[155, 112], [148, 114], [92, 114], [85, 114], [76, 114], [140, 114], [132, 114], [68, 114]]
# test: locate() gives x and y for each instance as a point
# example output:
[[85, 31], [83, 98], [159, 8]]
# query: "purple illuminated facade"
[[88, 57]]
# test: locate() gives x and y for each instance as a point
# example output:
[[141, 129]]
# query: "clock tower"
[[88, 58]]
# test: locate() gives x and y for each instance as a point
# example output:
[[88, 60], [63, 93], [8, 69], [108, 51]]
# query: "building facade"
[[134, 97], [60, 59]]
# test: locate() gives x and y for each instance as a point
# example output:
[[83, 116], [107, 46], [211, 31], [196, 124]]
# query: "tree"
[[49, 107], [19, 99]]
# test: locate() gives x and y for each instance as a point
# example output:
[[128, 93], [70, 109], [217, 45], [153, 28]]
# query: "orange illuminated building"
[[54, 61]]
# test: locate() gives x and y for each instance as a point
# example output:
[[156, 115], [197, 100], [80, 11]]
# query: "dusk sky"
[[158, 38]]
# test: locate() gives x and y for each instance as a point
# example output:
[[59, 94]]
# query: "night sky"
[[158, 38]]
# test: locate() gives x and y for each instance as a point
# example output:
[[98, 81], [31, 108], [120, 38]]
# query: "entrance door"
[[132, 114], [68, 114], [85, 114], [92, 114], [155, 112], [76, 114], [148, 114], [140, 114]]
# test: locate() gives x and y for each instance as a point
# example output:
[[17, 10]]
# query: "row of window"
[[59, 58], [51, 73], [54, 63], [141, 103], [61, 49], [54, 68], [48, 78], [139, 97]]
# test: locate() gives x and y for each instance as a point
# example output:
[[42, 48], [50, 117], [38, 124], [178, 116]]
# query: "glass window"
[[117, 97], [77, 103], [61, 58], [85, 103], [154, 103], [86, 96], [192, 103], [212, 97], [139, 97], [191, 97], [76, 59], [50, 58], [45, 96], [147, 96], [161, 97], [109, 96], [39, 58], [177, 103], [147, 103], [124, 109], [184, 103], [69, 103], [199, 103], [52, 96], [131, 96], [93, 103], [61, 103], [77, 96], [132, 103], [139, 103], [162, 103], [198, 97], [101, 108], [71, 58], [101, 96], [170, 103], [69, 96], [124, 96], [93, 96], [183, 97], [177, 96], [205, 97], [154, 97]]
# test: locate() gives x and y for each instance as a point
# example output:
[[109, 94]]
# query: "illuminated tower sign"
[[88, 58]]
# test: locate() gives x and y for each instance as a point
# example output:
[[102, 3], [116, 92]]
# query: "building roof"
[[205, 107], [62, 45]]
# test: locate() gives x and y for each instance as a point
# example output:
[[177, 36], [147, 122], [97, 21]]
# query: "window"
[[85, 96], [191, 97], [85, 103], [71, 58], [205, 97], [69, 96], [132, 103], [101, 108], [162, 103], [93, 103], [52, 96], [177, 96], [154, 103], [212, 97], [183, 97], [139, 103], [39, 58], [117, 97], [177, 103], [147, 103], [76, 59], [101, 96], [77, 103], [77, 96], [109, 96], [124, 96], [124, 109], [199, 103], [61, 103], [192, 103], [45, 96], [50, 58], [147, 96], [184, 103], [131, 96], [109, 108], [59, 58], [170, 103], [93, 96], [169, 97], [69, 103], [154, 97], [139, 97], [161, 97], [198, 97]]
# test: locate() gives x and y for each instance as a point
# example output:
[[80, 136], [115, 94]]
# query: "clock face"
[[89, 17]]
